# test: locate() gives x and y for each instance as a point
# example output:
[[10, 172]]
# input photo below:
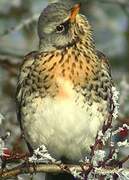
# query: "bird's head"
[[60, 26]]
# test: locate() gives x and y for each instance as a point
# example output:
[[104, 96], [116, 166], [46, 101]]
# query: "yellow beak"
[[75, 10]]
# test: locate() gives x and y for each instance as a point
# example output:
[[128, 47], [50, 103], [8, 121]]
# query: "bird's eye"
[[60, 28]]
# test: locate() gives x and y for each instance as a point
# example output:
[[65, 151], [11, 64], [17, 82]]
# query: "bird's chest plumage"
[[67, 124], [63, 94], [65, 102]]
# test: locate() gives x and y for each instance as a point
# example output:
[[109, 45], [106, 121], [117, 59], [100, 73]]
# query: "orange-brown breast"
[[67, 69]]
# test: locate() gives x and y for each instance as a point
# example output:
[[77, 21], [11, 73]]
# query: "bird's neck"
[[84, 33], [82, 39], [46, 47]]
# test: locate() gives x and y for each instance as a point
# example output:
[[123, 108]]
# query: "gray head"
[[55, 26]]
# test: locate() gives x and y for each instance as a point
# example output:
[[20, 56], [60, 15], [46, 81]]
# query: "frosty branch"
[[76, 170], [44, 168]]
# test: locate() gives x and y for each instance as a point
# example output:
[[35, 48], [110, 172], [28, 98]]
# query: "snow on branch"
[[41, 155]]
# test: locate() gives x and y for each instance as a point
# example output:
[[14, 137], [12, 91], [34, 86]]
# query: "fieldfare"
[[64, 88]]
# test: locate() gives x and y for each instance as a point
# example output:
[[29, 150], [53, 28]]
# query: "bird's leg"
[[28, 144], [29, 148], [31, 151]]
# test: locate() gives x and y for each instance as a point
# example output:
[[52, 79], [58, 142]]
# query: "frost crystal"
[[115, 155], [104, 137], [99, 156], [123, 143], [100, 134], [115, 98], [109, 177], [117, 131], [76, 173], [87, 160], [92, 175], [41, 155], [120, 129], [125, 126], [20, 178]]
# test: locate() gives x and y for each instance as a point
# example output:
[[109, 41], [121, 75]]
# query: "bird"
[[64, 88]]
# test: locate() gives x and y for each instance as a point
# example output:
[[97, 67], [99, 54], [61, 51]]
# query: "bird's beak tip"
[[74, 11]]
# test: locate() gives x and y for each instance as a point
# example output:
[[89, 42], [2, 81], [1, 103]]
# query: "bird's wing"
[[104, 62], [106, 68], [24, 71], [105, 65]]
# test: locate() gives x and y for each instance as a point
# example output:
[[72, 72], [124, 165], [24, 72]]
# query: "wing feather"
[[106, 67], [24, 71]]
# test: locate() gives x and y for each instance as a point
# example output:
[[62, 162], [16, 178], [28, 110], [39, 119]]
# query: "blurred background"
[[18, 36]]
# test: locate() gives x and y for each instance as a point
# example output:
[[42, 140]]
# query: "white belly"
[[64, 127]]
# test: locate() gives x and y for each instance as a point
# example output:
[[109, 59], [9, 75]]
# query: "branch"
[[44, 168], [56, 168]]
